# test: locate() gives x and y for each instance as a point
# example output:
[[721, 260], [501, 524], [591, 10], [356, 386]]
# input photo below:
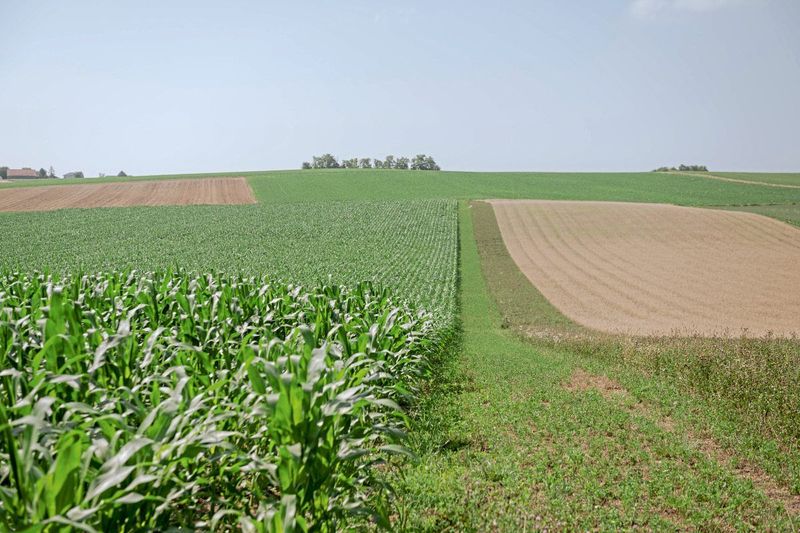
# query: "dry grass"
[[210, 191], [655, 269], [582, 380]]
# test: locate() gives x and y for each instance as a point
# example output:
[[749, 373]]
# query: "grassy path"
[[519, 438], [736, 180]]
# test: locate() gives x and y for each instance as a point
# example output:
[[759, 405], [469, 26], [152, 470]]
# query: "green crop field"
[[134, 401], [292, 186], [408, 245], [343, 184], [160, 369], [777, 178]]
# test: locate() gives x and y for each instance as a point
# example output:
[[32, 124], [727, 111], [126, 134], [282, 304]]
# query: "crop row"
[[137, 401], [410, 246]]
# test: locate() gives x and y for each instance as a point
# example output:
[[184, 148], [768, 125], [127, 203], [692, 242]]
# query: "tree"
[[51, 173], [42, 173], [423, 162], [121, 174], [693, 168], [101, 175], [420, 162], [325, 161], [3, 172]]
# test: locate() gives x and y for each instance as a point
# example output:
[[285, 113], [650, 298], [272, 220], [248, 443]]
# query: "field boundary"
[[734, 180], [748, 457], [521, 453]]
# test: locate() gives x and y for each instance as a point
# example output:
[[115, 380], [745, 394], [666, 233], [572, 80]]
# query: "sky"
[[153, 87]]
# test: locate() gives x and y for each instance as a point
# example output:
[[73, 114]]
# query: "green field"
[[342, 184], [214, 401], [408, 245], [506, 446], [629, 187], [502, 444], [776, 178]]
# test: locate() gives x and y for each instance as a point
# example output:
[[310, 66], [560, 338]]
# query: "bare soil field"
[[210, 191], [656, 269]]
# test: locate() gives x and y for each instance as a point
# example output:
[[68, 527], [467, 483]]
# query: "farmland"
[[786, 212], [531, 433], [658, 269], [277, 187], [299, 242], [528, 420], [208, 191], [773, 178], [206, 389]]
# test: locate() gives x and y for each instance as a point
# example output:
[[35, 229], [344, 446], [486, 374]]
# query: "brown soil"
[[655, 269], [208, 191]]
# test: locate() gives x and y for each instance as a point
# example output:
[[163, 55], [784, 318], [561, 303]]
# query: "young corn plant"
[[138, 401]]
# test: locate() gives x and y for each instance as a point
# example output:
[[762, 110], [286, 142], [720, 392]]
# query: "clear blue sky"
[[152, 87]]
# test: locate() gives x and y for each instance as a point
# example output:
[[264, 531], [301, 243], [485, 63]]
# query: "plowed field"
[[655, 269], [210, 191]]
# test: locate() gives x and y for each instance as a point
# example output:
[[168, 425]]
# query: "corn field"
[[141, 401], [410, 246]]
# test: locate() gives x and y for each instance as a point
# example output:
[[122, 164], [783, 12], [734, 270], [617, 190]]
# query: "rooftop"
[[21, 173]]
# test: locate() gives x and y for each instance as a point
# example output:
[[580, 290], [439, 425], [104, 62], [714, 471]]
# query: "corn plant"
[[136, 401]]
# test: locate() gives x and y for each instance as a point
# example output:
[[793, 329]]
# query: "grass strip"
[[509, 444], [740, 392]]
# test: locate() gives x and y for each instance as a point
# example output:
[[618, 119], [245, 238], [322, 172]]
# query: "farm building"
[[21, 174], [72, 175]]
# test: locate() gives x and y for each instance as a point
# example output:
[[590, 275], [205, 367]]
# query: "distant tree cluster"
[[683, 168], [419, 162]]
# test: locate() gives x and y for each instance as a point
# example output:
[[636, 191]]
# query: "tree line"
[[418, 162], [683, 168]]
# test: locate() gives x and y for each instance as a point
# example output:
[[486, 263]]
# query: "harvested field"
[[210, 191], [656, 269]]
